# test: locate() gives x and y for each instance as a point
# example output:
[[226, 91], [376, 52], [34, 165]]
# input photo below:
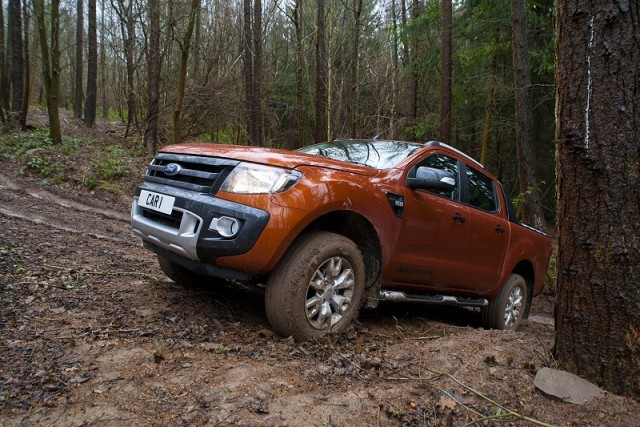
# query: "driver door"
[[432, 240]]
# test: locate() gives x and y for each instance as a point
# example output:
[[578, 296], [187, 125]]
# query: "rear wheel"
[[181, 275], [317, 287], [507, 310]]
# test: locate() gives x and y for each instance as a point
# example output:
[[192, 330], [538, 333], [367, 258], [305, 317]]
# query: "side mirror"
[[427, 178]]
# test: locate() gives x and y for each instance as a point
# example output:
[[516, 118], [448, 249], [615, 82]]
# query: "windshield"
[[375, 154]]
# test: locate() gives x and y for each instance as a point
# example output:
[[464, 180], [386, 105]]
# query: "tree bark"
[[321, 132], [4, 74], [447, 70], [24, 110], [531, 206], [488, 116], [257, 71], [598, 162], [103, 66], [92, 68], [17, 55], [77, 103], [247, 53], [297, 21], [355, 68], [412, 57], [182, 73], [153, 92], [50, 64]]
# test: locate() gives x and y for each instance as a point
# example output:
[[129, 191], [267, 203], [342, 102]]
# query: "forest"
[[288, 73], [544, 93]]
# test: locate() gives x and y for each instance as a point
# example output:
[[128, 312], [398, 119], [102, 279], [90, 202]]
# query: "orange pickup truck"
[[338, 226]]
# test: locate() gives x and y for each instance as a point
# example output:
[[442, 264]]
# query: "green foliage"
[[519, 199], [113, 114], [90, 182], [224, 136], [42, 165], [14, 146], [110, 163]]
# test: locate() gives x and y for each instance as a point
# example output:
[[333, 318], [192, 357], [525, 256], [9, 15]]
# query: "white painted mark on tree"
[[589, 83]]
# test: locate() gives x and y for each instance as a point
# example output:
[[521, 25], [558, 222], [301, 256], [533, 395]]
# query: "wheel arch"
[[525, 269], [361, 231]]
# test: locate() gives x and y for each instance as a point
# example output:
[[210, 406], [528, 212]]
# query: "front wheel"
[[317, 287], [507, 310]]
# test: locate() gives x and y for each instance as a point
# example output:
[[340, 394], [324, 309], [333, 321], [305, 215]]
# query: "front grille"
[[196, 173]]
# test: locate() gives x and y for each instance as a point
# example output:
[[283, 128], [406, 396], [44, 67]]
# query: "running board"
[[397, 296]]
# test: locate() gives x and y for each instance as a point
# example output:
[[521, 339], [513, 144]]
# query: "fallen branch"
[[508, 411]]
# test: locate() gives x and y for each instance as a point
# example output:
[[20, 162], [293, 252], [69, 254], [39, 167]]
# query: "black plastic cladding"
[[201, 174]]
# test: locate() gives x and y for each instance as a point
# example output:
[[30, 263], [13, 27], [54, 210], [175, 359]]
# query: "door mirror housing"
[[427, 178]]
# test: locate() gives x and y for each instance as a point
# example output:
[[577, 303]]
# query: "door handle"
[[459, 218], [499, 229]]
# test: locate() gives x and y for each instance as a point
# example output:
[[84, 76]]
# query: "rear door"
[[489, 231]]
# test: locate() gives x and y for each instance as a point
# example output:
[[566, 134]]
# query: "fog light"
[[225, 226]]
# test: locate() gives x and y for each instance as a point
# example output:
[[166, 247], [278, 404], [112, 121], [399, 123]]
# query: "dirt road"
[[91, 333]]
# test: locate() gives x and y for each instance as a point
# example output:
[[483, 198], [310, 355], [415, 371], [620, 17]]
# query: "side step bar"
[[397, 296]]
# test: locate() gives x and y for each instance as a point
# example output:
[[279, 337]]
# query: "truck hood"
[[267, 156]]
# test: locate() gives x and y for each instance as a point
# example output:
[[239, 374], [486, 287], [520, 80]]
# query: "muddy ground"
[[92, 333]]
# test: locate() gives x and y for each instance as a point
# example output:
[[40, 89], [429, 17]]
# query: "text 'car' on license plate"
[[156, 201]]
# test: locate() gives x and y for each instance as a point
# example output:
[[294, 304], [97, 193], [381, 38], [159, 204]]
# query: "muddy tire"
[[181, 275], [507, 310], [317, 287]]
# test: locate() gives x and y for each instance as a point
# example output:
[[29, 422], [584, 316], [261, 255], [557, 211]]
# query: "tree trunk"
[[92, 68], [445, 81], [77, 103], [127, 29], [247, 53], [598, 122], [50, 64], [488, 116], [103, 66], [355, 66], [320, 134], [4, 74], [182, 73], [412, 57], [151, 130], [531, 206], [297, 21], [17, 55], [257, 71], [197, 42], [24, 110]]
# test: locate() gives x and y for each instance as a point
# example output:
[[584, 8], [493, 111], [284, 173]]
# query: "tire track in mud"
[[26, 202]]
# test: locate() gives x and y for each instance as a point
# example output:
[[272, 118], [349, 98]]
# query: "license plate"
[[156, 201]]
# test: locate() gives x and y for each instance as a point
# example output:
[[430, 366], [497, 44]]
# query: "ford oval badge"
[[171, 169]]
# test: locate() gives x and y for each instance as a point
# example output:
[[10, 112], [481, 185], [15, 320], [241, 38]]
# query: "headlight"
[[251, 178]]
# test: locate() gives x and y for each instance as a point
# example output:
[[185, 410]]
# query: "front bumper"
[[186, 232]]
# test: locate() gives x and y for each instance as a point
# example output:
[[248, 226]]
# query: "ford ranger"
[[338, 226]]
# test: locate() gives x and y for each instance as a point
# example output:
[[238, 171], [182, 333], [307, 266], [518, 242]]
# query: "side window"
[[445, 163], [482, 191]]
